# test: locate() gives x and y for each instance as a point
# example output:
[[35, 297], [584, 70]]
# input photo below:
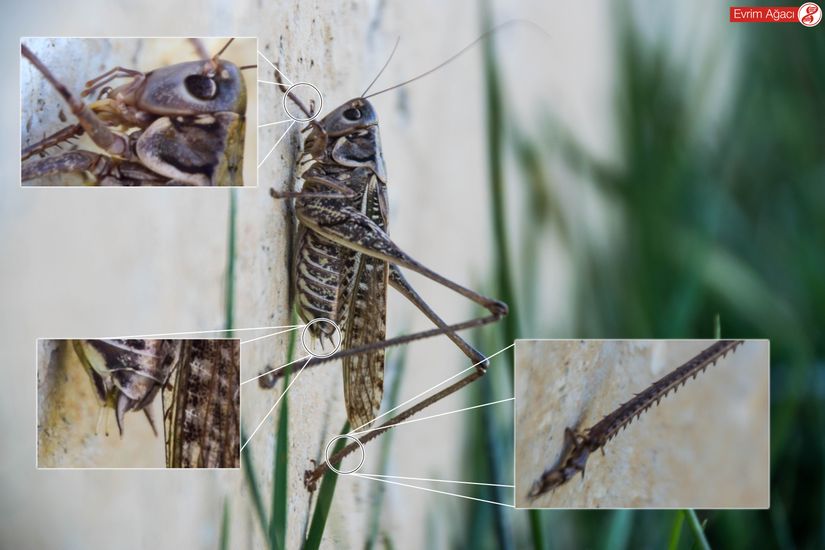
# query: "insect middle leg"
[[105, 170]]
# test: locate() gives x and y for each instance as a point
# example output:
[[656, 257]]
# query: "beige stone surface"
[[78, 263], [706, 446]]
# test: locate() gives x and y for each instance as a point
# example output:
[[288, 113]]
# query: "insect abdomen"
[[319, 270]]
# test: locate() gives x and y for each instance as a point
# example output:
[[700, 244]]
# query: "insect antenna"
[[245, 67], [386, 63], [217, 55], [458, 54]]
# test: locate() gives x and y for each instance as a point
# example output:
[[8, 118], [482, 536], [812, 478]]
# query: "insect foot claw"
[[309, 482], [499, 308]]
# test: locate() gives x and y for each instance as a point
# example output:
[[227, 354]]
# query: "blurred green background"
[[724, 219]]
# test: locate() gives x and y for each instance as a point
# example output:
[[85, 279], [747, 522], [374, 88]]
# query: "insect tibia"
[[64, 135]]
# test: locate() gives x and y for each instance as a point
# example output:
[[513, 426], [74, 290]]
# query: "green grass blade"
[[277, 526], [324, 503], [224, 537], [698, 532], [618, 534], [536, 529], [229, 289], [278, 519], [254, 491], [380, 488], [676, 530]]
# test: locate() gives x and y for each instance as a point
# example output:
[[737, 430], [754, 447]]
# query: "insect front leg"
[[342, 191], [97, 129], [116, 72]]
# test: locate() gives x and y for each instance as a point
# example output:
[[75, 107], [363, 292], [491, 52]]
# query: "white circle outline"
[[336, 470], [321, 320], [799, 15], [320, 106]]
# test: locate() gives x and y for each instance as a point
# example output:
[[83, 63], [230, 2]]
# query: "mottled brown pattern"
[[201, 407], [335, 281]]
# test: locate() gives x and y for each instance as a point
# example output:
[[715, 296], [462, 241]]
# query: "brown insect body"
[[335, 281], [199, 380], [579, 445], [127, 374], [345, 260], [182, 124], [201, 407]]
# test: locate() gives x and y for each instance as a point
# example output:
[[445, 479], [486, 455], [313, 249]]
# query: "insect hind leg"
[[400, 283], [64, 135]]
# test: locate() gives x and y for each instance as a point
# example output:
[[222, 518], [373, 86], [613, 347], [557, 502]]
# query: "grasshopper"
[[345, 261], [181, 124], [199, 385]]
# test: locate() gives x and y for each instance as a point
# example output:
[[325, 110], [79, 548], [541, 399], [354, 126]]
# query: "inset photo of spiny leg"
[[642, 424], [138, 403]]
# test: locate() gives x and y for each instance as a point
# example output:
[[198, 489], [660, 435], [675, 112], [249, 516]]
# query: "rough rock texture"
[[706, 446], [104, 262]]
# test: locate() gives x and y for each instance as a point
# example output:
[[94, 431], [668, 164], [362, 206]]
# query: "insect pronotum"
[[580, 445], [181, 124], [199, 384], [345, 260]]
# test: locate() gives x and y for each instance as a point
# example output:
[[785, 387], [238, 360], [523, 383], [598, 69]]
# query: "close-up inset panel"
[[642, 424], [138, 111], [136, 403]]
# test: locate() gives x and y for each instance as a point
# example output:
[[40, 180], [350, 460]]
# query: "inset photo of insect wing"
[[138, 112], [138, 403], [642, 424]]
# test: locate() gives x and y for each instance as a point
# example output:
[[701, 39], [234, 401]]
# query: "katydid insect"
[[182, 124], [199, 384], [345, 261], [579, 445]]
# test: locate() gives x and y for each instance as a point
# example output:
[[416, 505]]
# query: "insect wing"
[[201, 404], [366, 324]]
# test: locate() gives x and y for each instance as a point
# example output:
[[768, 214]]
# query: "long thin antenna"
[[217, 55], [387, 62], [461, 52]]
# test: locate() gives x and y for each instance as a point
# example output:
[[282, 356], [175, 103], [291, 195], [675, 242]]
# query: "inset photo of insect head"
[[642, 424], [138, 112], [138, 403]]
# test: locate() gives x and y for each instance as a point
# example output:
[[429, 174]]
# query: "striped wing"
[[200, 406], [366, 315]]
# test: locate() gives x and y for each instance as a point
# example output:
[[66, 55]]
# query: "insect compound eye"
[[352, 114], [200, 86]]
